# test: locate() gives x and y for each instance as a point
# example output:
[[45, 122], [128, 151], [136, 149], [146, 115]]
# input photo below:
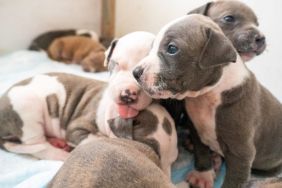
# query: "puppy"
[[111, 163], [227, 105], [55, 107], [77, 109], [79, 50], [239, 23], [43, 41]]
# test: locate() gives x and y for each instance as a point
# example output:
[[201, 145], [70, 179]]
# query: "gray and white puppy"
[[192, 59], [65, 106], [77, 110], [239, 23], [111, 163]]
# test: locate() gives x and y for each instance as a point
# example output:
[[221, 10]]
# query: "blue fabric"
[[185, 164]]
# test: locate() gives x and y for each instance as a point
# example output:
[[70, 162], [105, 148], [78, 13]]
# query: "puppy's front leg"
[[80, 130], [42, 150], [239, 160], [203, 176]]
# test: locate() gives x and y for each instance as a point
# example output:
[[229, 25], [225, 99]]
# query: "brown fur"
[[111, 163], [81, 50]]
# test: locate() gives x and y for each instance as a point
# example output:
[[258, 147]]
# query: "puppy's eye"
[[229, 19], [172, 49]]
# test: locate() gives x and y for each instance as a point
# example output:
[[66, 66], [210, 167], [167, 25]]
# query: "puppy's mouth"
[[127, 111], [249, 54]]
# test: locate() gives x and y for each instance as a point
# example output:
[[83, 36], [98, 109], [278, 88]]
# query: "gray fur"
[[9, 130], [53, 105], [254, 115], [167, 126], [248, 121], [242, 32], [192, 68]]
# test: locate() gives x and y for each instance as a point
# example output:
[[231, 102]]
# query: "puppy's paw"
[[217, 162], [201, 179], [59, 143]]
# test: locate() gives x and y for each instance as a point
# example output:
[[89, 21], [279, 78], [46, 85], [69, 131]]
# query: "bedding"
[[24, 171]]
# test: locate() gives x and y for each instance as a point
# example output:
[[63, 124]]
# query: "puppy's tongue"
[[127, 111]]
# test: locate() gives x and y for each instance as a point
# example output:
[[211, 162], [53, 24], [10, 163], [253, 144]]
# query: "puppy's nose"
[[260, 40], [137, 72], [129, 96]]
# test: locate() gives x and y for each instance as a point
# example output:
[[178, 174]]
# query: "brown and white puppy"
[[43, 41], [239, 23], [80, 50], [191, 58], [111, 163]]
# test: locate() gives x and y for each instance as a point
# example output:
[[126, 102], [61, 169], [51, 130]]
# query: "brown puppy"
[[43, 41], [81, 50], [234, 115], [239, 23], [112, 163]]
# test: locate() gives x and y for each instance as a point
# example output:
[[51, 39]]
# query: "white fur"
[[168, 143], [33, 97], [94, 35], [129, 50]]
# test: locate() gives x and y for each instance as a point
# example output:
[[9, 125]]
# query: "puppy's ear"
[[109, 52], [202, 9], [218, 50], [122, 128]]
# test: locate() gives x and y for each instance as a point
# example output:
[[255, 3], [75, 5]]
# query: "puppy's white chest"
[[202, 112]]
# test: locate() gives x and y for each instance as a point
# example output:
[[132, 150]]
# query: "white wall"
[[150, 15], [22, 20]]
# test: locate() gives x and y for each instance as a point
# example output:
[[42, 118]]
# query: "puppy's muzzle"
[[129, 96], [260, 41], [137, 72]]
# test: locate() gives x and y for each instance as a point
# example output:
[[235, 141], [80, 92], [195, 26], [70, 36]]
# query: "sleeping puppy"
[[56, 107], [118, 162], [239, 23], [111, 163], [65, 106], [227, 105], [79, 50], [43, 41]]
